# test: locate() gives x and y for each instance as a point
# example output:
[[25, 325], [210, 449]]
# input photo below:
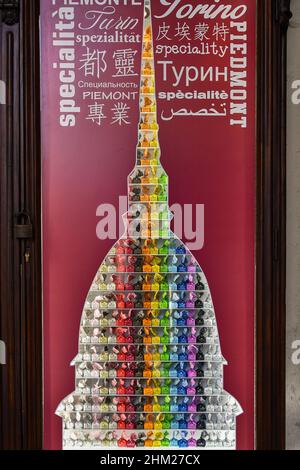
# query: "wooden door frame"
[[21, 406], [273, 22], [21, 422]]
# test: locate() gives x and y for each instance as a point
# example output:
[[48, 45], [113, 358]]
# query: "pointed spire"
[[148, 183], [148, 127]]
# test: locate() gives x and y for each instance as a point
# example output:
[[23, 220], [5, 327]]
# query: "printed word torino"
[[207, 11]]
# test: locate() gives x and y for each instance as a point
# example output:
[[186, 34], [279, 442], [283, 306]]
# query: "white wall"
[[293, 233]]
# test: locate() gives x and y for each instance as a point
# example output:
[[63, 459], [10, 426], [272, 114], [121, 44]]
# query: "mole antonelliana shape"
[[149, 371]]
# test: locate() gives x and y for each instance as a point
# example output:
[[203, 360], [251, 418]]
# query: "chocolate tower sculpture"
[[149, 372]]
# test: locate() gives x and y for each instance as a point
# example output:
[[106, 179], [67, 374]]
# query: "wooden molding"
[[285, 14], [10, 11], [273, 20], [20, 159], [10, 404]]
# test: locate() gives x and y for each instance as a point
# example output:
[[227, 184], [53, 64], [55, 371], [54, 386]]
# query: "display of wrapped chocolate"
[[149, 371]]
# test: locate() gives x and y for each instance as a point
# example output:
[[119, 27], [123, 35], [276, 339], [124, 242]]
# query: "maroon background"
[[208, 162]]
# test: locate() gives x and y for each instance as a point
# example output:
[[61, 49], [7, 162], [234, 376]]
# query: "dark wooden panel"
[[11, 405], [273, 20], [30, 183], [21, 316]]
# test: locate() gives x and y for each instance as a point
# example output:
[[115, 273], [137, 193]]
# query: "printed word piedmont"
[[238, 75]]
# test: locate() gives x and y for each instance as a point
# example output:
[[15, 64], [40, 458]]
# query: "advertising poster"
[[92, 123]]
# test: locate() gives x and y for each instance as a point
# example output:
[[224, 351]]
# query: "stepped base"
[[188, 449], [149, 440]]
